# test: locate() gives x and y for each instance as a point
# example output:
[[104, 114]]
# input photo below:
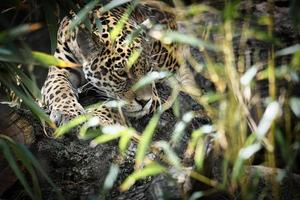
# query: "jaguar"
[[104, 60]]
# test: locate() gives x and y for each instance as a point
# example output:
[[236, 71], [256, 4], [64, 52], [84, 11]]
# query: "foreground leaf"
[[149, 78], [28, 57], [110, 133], [46, 59], [149, 170], [18, 31], [31, 164], [71, 124], [171, 156], [145, 140], [111, 177], [82, 14], [295, 105], [28, 101], [13, 164]]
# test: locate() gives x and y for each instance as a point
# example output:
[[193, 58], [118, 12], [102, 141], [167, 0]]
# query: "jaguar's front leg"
[[60, 97]]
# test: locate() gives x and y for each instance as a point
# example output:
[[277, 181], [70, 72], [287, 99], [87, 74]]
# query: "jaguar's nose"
[[142, 102]]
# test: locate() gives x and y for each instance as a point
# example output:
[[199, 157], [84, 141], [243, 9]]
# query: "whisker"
[[157, 54]]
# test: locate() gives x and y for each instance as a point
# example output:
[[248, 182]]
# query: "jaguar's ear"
[[86, 43]]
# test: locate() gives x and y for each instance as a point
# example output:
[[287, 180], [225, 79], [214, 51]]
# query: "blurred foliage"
[[15, 153], [247, 126]]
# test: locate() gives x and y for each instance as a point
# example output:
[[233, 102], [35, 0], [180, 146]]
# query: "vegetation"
[[253, 104]]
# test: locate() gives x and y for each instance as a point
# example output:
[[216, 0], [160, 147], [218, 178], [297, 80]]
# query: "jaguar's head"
[[115, 69]]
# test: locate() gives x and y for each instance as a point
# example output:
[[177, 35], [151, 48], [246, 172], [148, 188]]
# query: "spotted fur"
[[105, 63]]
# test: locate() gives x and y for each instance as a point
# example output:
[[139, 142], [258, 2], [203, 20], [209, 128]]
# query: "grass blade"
[[71, 124], [20, 154], [114, 3], [111, 177], [33, 58], [125, 140], [180, 127], [149, 170], [28, 101], [37, 165], [288, 50], [30, 85], [113, 132], [295, 105], [82, 14], [13, 33], [177, 37], [105, 138], [13, 164], [171, 156], [52, 22], [145, 140], [149, 78], [47, 60]]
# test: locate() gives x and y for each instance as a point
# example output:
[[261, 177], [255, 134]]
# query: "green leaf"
[[114, 3], [134, 35], [261, 35], [111, 132], [71, 124], [37, 166], [196, 195], [244, 154], [21, 156], [29, 161], [46, 59], [92, 122], [295, 105], [52, 21], [284, 71], [270, 114], [248, 76], [115, 32], [125, 140], [288, 50], [177, 37], [237, 168], [180, 126], [150, 170], [196, 135], [111, 177], [211, 97], [247, 152], [15, 55], [82, 14], [23, 56], [176, 108], [231, 10], [197, 9], [30, 85], [171, 156], [145, 140], [149, 78], [28, 101], [13, 33], [104, 138], [13, 164], [199, 153], [135, 54], [98, 25], [296, 61]]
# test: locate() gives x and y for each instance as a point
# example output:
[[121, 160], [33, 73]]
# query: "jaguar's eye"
[[121, 72]]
